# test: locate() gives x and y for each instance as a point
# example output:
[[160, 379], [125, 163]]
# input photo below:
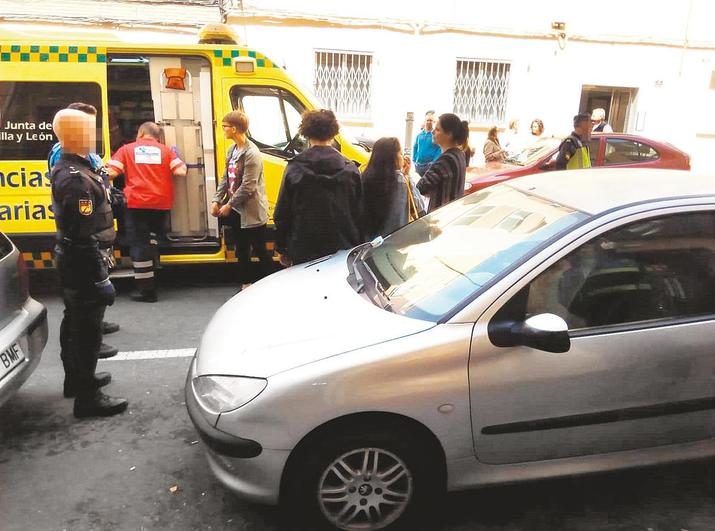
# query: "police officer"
[[105, 351], [85, 226], [573, 151]]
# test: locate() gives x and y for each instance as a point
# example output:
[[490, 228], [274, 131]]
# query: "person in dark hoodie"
[[318, 208]]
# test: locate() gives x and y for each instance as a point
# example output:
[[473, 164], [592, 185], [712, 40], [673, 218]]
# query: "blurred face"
[[583, 130], [535, 129], [399, 158], [76, 131], [429, 122]]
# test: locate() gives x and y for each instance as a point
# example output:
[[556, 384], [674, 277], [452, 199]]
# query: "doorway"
[[142, 88], [616, 101]]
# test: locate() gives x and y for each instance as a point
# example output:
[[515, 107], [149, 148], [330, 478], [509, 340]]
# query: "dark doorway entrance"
[[616, 101]]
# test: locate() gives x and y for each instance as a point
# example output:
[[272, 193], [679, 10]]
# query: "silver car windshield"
[[429, 267]]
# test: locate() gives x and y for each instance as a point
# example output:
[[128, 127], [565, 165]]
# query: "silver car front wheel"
[[365, 488]]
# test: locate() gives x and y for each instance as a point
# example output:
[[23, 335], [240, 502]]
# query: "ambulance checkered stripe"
[[225, 58], [35, 53]]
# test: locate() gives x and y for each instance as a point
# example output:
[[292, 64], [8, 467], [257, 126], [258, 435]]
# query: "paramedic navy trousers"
[[143, 227]]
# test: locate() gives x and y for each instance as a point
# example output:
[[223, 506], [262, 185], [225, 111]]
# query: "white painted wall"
[[417, 72]]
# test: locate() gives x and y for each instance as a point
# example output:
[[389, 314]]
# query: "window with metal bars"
[[481, 89], [343, 82]]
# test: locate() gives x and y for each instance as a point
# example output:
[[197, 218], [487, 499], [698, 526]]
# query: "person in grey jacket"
[[390, 199], [240, 200]]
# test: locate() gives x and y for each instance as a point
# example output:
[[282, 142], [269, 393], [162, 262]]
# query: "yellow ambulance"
[[185, 88]]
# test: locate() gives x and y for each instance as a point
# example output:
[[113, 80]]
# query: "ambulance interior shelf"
[[168, 90]]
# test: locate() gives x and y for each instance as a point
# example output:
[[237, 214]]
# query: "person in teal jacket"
[[424, 150]]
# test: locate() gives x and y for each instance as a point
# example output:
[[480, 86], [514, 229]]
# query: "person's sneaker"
[[107, 351], [109, 328], [100, 405], [144, 296], [100, 379]]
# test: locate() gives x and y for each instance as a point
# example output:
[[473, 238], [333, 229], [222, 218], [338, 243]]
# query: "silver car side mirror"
[[545, 331]]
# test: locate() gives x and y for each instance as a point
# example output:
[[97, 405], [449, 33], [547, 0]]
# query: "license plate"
[[10, 358]]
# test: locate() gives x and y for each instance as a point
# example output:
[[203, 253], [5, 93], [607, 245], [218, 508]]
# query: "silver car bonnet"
[[293, 317]]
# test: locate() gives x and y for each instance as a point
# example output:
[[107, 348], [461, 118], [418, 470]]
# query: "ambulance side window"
[[26, 112], [274, 117]]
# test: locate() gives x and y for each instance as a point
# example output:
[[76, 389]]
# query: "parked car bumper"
[[240, 464], [28, 330]]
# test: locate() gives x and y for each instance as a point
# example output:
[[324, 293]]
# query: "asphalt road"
[[145, 469]]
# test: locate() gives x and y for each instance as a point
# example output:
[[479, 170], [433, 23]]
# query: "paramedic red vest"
[[147, 166]]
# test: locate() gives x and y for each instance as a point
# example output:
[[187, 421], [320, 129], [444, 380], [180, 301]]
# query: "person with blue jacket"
[[424, 150], [390, 199]]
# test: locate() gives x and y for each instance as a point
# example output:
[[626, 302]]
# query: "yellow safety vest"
[[579, 160]]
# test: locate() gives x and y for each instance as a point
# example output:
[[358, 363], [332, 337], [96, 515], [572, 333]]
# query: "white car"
[[23, 322], [552, 325]]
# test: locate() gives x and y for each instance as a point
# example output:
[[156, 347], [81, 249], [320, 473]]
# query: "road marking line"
[[153, 354]]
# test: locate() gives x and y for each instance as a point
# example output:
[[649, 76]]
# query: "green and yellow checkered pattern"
[[224, 58], [33, 53]]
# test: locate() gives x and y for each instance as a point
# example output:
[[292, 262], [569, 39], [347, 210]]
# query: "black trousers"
[[80, 331], [249, 241], [143, 227]]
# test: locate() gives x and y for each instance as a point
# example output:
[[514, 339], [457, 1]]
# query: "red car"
[[608, 149]]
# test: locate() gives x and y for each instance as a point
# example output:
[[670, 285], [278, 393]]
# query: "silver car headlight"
[[219, 394]]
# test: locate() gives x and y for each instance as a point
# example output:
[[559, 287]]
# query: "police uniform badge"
[[85, 207]]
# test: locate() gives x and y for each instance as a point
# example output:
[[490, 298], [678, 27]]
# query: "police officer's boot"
[[99, 405], [100, 378], [109, 328], [107, 351]]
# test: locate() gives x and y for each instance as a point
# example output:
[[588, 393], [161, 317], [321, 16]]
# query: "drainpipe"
[[685, 40], [409, 123]]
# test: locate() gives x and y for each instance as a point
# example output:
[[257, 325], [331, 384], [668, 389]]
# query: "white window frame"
[[342, 80], [481, 90]]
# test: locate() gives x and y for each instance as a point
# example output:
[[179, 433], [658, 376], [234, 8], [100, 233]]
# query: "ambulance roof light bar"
[[215, 33]]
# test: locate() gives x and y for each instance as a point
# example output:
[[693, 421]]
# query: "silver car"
[[556, 324], [23, 322]]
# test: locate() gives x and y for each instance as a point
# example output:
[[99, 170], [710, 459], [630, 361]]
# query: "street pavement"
[[145, 469]]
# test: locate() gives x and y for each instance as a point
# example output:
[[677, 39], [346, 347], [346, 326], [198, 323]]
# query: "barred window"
[[480, 90], [343, 82]]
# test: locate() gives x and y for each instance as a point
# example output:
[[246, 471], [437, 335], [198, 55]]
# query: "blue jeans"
[[422, 167]]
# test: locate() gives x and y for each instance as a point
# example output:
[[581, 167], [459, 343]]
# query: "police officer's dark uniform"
[[85, 229], [573, 154]]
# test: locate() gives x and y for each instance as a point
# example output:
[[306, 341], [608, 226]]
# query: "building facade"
[[649, 64]]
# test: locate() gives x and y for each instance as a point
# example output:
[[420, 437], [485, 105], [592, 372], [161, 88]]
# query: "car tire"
[[379, 480]]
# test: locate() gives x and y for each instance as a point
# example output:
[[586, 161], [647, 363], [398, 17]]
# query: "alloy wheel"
[[366, 488]]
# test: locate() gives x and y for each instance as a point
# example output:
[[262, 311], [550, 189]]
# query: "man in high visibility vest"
[[573, 151]]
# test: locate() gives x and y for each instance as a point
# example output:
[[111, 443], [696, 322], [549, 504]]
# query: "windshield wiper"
[[513, 160], [379, 290], [359, 259], [360, 262]]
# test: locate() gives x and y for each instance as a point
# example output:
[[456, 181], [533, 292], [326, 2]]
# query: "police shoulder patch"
[[86, 207]]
